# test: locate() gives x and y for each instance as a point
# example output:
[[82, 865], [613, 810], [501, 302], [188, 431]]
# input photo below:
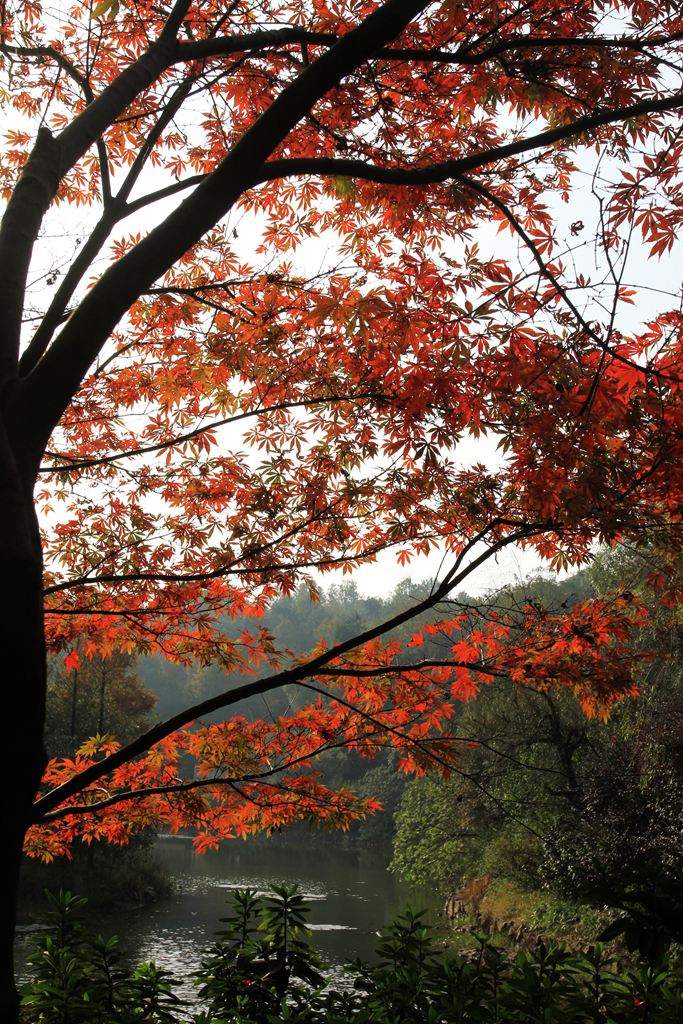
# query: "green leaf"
[[110, 6], [345, 186]]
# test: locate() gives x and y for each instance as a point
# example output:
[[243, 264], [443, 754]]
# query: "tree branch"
[[49, 161], [255, 42], [429, 174], [52, 384], [73, 463], [560, 290], [296, 674]]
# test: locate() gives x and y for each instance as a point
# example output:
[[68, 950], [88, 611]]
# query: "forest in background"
[[542, 815]]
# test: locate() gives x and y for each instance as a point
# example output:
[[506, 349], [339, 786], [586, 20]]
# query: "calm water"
[[352, 897]]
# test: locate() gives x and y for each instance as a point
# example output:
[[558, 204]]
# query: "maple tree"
[[201, 422]]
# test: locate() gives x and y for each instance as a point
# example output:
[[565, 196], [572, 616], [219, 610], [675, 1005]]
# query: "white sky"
[[508, 567]]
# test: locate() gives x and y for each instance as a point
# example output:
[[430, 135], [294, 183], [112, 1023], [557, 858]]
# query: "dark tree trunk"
[[23, 661], [74, 704], [103, 687]]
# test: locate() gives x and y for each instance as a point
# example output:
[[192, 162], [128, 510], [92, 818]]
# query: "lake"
[[352, 896]]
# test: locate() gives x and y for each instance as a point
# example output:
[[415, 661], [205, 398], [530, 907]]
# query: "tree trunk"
[[23, 659], [103, 687], [74, 704]]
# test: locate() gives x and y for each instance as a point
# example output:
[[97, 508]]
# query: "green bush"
[[263, 970], [80, 978], [261, 959]]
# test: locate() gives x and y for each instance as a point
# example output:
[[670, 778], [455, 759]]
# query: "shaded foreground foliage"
[[262, 969]]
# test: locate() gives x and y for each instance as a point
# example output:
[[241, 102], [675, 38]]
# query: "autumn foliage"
[[267, 271]]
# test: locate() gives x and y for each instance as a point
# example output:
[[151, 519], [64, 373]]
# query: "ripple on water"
[[187, 884], [332, 928]]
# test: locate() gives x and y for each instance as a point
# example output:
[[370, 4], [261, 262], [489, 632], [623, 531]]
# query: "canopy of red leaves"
[[469, 233]]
